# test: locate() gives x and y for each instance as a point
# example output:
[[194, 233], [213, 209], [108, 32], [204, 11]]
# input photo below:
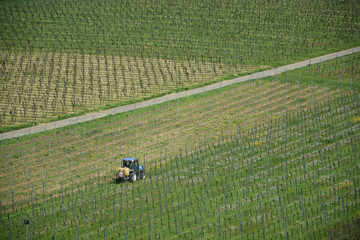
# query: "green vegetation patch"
[[278, 178], [61, 58]]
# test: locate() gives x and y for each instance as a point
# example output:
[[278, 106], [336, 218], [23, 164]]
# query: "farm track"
[[175, 96]]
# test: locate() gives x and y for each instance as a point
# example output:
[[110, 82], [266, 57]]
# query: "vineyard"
[[270, 158], [69, 83], [68, 57]]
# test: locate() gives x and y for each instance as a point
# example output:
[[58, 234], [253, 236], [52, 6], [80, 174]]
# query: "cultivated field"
[[37, 87], [270, 158], [61, 58]]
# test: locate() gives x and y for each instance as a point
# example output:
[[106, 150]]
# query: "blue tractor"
[[130, 170]]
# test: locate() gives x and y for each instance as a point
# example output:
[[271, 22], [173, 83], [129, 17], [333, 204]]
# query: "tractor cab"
[[132, 163], [130, 170]]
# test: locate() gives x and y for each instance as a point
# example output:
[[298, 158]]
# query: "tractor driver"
[[127, 164]]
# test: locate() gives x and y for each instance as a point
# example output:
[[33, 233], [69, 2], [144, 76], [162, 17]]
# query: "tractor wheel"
[[142, 175], [133, 177]]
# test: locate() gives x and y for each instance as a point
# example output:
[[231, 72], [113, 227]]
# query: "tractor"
[[130, 170]]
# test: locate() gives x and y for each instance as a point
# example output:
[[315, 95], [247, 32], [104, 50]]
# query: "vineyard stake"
[[26, 223]]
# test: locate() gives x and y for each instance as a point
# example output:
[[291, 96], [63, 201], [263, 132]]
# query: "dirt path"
[[88, 117]]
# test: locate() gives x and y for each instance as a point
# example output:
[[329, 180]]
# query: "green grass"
[[61, 58], [201, 192], [195, 140], [212, 159], [340, 73], [272, 32]]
